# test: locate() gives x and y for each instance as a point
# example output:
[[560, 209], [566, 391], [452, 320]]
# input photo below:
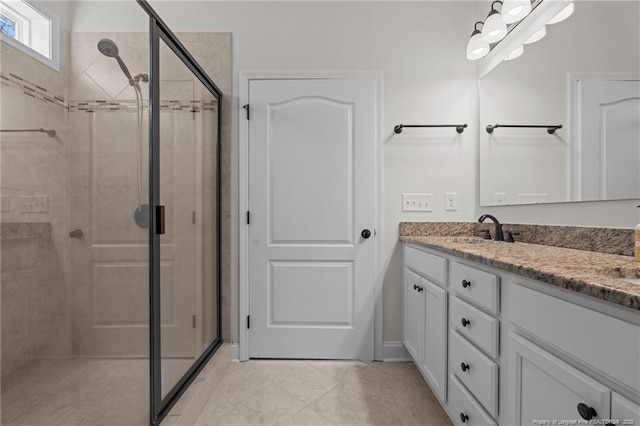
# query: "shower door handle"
[[159, 220]]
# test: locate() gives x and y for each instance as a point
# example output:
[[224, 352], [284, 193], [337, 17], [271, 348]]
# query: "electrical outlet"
[[500, 198], [417, 202], [4, 200], [450, 201], [34, 203]]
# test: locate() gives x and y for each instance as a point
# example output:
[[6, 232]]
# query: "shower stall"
[[110, 227]]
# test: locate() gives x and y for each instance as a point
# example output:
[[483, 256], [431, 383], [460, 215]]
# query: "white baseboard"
[[391, 352], [235, 352], [394, 352]]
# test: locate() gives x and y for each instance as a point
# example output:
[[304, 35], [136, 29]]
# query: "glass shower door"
[[188, 251]]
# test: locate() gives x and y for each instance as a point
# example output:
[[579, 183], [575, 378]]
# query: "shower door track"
[[158, 29]]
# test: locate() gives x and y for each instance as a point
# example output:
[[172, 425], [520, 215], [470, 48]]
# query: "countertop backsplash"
[[603, 240]]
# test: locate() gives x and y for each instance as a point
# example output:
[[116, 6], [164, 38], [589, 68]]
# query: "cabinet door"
[[435, 337], [543, 387], [626, 412], [413, 335]]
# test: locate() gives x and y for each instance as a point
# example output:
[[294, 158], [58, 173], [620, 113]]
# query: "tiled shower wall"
[[62, 170], [34, 193]]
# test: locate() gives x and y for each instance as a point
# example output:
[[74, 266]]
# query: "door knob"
[[365, 233]]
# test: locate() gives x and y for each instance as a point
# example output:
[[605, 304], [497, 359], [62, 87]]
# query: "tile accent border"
[[131, 106], [33, 90]]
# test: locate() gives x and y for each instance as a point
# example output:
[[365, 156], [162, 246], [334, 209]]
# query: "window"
[[7, 26], [28, 26]]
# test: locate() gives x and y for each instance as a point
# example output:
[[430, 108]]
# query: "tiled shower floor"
[[322, 393], [81, 392]]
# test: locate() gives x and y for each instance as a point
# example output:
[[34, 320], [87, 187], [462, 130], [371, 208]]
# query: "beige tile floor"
[[322, 393], [82, 392]]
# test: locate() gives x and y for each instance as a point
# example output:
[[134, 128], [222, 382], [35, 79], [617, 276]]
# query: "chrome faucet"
[[499, 236]]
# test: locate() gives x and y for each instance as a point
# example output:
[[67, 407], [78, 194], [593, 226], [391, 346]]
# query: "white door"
[[607, 138], [312, 181]]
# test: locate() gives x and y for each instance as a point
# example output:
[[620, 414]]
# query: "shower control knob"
[[365, 233], [76, 233]]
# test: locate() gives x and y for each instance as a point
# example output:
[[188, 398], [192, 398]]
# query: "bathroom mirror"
[[582, 75]]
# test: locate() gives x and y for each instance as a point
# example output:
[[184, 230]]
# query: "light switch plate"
[[34, 203], [412, 202]]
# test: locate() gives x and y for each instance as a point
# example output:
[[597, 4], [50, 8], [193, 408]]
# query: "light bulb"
[[564, 14], [515, 54], [476, 47], [494, 28], [515, 10], [538, 35]]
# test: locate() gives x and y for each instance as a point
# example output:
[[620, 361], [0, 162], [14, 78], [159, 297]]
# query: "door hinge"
[[248, 109], [248, 217], [194, 321], [193, 217], [248, 322]]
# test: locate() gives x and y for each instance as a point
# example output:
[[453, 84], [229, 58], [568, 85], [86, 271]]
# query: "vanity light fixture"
[[515, 10], [538, 35], [494, 28], [564, 14], [516, 53], [476, 47]]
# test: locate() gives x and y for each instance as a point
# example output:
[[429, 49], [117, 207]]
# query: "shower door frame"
[[158, 29]]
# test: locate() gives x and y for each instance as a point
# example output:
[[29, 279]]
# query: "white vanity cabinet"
[[499, 348], [601, 354], [425, 317]]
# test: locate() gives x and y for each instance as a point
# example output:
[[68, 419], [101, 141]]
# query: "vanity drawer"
[[480, 328], [475, 285], [476, 371], [463, 406], [589, 336], [426, 264]]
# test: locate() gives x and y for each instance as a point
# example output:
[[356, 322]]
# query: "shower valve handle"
[[76, 233]]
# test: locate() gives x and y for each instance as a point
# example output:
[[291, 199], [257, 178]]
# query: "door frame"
[[574, 113], [244, 79]]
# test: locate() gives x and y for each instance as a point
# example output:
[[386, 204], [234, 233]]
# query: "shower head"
[[110, 49]]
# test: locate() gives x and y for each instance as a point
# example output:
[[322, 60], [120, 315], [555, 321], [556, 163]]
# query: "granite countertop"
[[591, 273]]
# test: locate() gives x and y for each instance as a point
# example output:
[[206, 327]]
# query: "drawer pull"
[[466, 283], [465, 322], [464, 417], [415, 286], [420, 289], [464, 366], [586, 412]]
